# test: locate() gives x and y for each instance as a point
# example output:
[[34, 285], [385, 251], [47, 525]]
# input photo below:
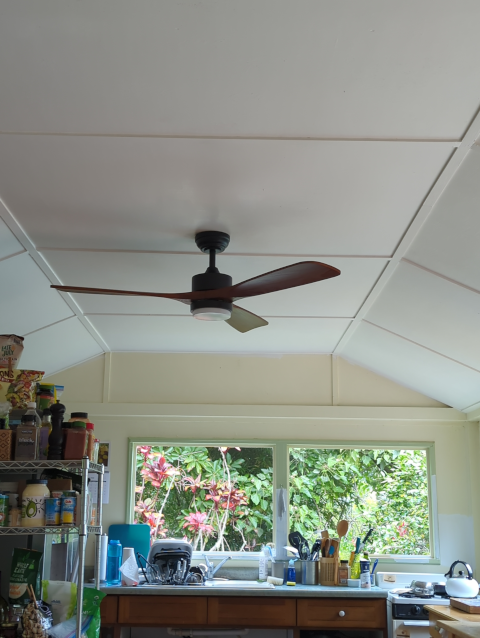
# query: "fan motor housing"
[[210, 280]]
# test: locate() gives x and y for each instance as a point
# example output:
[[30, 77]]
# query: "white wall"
[[295, 398]]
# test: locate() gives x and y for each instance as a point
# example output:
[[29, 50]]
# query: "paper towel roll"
[[103, 557], [127, 552]]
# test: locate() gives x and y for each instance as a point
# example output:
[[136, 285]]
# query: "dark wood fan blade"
[[299, 274], [184, 297], [243, 320]]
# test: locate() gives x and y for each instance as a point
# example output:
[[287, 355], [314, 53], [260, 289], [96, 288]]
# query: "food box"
[[7, 438]]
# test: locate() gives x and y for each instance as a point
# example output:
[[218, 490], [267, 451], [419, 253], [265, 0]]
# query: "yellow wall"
[[294, 398]]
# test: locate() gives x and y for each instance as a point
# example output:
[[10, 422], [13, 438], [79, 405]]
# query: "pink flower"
[[195, 522]]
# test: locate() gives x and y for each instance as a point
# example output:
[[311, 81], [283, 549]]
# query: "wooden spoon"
[[342, 529]]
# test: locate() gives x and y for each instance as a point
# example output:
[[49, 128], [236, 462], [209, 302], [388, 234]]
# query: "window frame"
[[281, 478]]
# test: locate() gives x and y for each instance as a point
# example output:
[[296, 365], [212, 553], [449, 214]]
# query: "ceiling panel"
[[413, 366], [256, 67], [8, 242], [338, 297], [57, 347], [186, 334], [32, 304], [449, 240], [280, 197], [431, 311]]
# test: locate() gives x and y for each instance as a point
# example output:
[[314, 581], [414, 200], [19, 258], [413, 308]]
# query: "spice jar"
[[75, 443]]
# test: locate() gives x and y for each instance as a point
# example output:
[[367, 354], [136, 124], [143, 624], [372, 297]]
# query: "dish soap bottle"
[[291, 574]]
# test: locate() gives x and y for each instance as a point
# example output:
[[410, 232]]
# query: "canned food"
[[56, 494], [67, 512], [52, 511], [4, 502]]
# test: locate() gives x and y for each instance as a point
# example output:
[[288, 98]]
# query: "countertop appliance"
[[406, 617]]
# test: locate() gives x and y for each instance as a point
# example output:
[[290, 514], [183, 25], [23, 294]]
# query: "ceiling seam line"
[[416, 343], [262, 138], [198, 254], [54, 323], [442, 181], [20, 252], [437, 274], [19, 233], [157, 314]]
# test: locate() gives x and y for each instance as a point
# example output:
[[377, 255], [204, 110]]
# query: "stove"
[[405, 609]]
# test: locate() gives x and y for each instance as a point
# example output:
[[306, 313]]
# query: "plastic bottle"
[[33, 503], [114, 557], [291, 574], [263, 563], [32, 410]]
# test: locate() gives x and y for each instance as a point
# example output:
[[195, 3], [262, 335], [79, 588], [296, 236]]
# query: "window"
[[380, 488], [220, 497]]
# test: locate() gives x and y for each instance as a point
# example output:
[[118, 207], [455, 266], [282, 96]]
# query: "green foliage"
[[221, 498], [383, 489]]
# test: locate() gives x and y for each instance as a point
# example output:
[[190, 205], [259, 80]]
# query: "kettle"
[[461, 586]]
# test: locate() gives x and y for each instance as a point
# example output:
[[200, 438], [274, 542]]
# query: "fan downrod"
[[209, 240]]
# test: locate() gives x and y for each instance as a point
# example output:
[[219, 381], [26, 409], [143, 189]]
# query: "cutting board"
[[470, 605], [136, 536]]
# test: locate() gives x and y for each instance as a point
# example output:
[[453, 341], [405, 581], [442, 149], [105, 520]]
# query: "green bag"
[[25, 570]]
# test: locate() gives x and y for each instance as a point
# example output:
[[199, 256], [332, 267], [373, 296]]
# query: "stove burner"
[[410, 594]]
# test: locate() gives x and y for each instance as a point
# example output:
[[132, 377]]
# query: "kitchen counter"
[[299, 591]]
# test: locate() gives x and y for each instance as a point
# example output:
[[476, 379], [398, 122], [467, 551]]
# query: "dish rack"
[[169, 563]]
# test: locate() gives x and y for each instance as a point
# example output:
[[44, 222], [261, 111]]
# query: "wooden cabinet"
[[109, 610], [330, 613], [163, 611], [234, 611], [440, 613]]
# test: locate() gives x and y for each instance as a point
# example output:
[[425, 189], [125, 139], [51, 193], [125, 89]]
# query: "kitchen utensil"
[[324, 533], [357, 544], [369, 533], [326, 548], [342, 529], [292, 550], [439, 589], [136, 536], [374, 566], [334, 544], [331, 551], [461, 585], [304, 551], [296, 539], [315, 548]]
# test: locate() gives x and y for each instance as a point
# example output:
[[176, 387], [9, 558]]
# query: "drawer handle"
[[341, 614]]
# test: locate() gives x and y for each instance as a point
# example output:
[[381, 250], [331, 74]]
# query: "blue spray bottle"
[[291, 574]]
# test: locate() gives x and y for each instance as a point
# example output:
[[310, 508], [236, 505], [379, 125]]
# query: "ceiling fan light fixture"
[[212, 314]]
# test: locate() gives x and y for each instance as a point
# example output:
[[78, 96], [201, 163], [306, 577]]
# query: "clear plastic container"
[[90, 440], [33, 503]]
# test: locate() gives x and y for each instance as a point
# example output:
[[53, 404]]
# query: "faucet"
[[211, 569]]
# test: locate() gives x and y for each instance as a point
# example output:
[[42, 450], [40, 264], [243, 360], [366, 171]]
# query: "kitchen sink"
[[237, 584]]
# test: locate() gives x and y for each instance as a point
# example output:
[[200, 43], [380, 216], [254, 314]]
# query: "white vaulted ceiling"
[[341, 132]]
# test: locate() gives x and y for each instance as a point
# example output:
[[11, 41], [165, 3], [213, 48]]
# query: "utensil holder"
[[310, 572], [328, 571]]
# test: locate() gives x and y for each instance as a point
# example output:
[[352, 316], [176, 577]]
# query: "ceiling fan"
[[212, 293]]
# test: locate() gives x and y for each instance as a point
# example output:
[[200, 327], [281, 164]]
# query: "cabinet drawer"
[[163, 610], [342, 612], [252, 612], [109, 610]]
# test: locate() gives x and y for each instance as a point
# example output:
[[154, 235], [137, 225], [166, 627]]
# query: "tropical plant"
[[220, 498]]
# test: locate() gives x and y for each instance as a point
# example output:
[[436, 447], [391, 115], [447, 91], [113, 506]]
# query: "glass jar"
[[33, 503], [96, 448]]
